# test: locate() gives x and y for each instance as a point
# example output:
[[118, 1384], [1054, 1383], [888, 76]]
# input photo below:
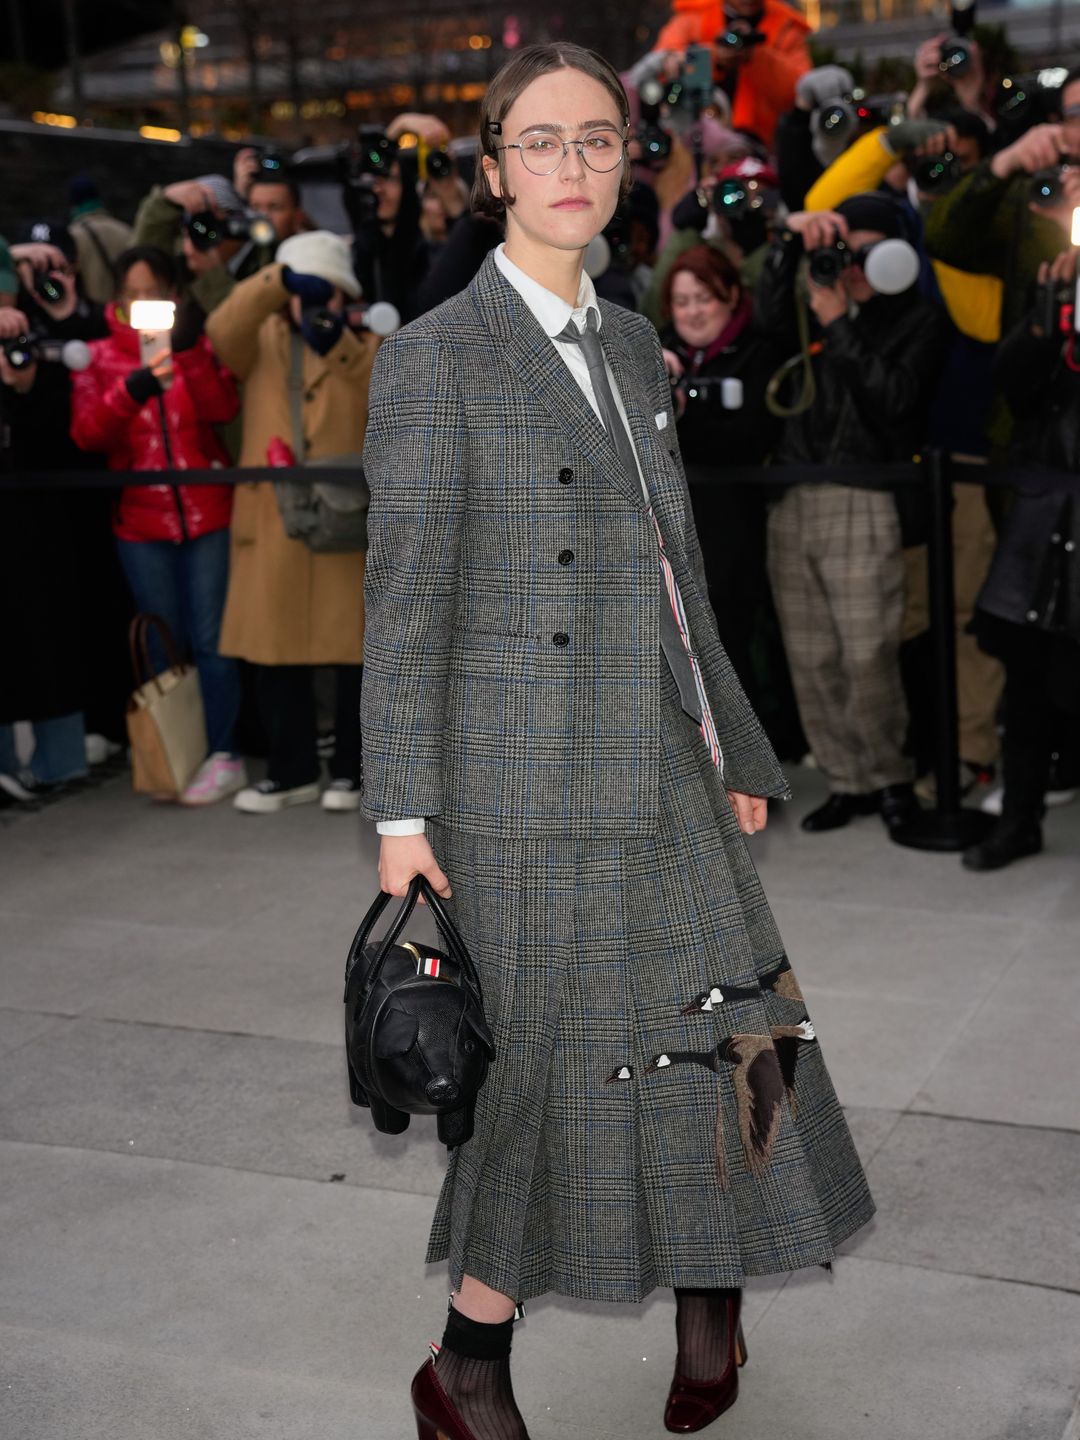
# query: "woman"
[[173, 540], [305, 374], [528, 694], [711, 339]]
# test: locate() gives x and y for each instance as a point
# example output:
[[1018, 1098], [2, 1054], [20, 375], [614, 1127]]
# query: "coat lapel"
[[536, 362]]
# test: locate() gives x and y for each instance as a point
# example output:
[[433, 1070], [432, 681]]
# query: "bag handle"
[[138, 645], [443, 923]]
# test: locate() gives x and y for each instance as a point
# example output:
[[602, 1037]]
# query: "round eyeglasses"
[[542, 154]]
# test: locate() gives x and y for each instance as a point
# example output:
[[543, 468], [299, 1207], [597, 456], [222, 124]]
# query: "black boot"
[[837, 811], [1009, 840], [898, 805]]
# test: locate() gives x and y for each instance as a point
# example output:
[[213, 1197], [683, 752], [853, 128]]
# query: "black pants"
[[286, 696], [1041, 717]]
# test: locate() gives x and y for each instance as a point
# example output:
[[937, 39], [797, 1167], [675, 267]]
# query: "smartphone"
[[154, 320]]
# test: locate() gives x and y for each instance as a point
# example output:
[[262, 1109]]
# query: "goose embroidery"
[[759, 1091], [621, 1072], [708, 1000], [781, 980], [789, 1041]]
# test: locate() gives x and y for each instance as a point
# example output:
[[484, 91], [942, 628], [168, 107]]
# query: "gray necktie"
[[671, 641]]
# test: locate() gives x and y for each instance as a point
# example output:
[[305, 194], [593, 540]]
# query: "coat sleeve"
[[890, 388], [211, 387], [233, 328], [750, 765], [415, 463], [101, 413]]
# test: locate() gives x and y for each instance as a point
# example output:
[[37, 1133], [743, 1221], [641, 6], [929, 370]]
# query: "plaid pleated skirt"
[[659, 1112]]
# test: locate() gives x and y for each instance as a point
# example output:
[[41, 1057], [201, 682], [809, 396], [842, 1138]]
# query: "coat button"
[[565, 557], [565, 476], [560, 638]]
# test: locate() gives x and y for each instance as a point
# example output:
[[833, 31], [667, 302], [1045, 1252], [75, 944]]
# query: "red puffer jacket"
[[105, 419]]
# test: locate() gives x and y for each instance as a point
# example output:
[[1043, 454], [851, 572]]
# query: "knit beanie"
[[874, 212], [318, 252]]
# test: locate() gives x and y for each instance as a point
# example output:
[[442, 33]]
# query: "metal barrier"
[[950, 826]]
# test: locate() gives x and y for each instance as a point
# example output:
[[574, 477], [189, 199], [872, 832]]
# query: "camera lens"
[[439, 165], [203, 230], [1046, 187], [19, 353], [955, 58], [827, 265], [48, 288], [935, 173]]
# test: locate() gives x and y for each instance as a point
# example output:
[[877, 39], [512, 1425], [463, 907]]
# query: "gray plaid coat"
[[506, 692], [659, 1112]]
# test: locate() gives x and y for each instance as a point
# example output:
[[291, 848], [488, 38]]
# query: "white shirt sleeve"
[[400, 827]]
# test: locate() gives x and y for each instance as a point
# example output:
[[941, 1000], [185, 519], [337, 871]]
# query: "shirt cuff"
[[400, 827]]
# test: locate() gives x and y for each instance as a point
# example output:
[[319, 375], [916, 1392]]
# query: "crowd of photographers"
[[842, 281]]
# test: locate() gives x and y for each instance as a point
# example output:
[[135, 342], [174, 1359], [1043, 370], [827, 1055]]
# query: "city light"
[[46, 117], [159, 132]]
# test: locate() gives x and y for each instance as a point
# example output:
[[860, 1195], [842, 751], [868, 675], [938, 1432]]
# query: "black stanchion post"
[[948, 826]]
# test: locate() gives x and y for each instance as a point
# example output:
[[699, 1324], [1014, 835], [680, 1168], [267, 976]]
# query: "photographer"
[[43, 677], [389, 251], [992, 221], [1028, 614], [934, 72], [759, 48], [305, 374], [99, 237], [172, 539], [261, 182], [198, 217], [836, 551]]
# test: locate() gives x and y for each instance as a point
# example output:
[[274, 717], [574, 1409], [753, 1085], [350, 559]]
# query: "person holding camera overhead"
[[836, 551], [159, 413], [554, 735], [305, 374], [759, 50]]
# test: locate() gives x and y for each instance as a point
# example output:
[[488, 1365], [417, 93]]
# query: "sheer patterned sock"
[[701, 1327], [473, 1367]]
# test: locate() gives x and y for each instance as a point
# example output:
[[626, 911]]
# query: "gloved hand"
[[142, 385], [827, 82], [908, 135], [321, 329], [312, 289], [690, 213]]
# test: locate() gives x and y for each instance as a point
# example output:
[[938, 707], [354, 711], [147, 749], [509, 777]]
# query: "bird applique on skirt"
[[659, 1112]]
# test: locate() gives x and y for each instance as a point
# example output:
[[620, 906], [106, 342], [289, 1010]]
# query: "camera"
[[734, 42], [206, 230], [1047, 186], [827, 264], [1053, 309], [956, 53], [272, 167], [692, 89], [1026, 100], [654, 140], [48, 288], [369, 158], [727, 389], [935, 174], [438, 165], [37, 348]]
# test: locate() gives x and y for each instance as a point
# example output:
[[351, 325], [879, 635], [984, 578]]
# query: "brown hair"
[[708, 265], [515, 77]]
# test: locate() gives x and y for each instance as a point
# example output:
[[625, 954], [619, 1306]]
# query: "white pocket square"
[[661, 420]]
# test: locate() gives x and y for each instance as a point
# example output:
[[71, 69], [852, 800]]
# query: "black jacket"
[[1034, 582], [711, 437], [875, 374]]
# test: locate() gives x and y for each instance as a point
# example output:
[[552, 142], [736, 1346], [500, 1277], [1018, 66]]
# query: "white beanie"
[[319, 252]]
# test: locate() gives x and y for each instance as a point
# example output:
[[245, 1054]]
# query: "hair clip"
[[495, 126]]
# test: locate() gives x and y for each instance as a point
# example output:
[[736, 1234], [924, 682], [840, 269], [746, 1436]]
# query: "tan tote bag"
[[165, 721]]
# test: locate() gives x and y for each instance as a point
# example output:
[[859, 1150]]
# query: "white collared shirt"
[[552, 313]]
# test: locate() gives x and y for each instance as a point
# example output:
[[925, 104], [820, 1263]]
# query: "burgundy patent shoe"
[[436, 1418], [693, 1404]]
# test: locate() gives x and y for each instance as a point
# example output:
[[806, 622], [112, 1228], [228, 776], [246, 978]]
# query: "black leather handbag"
[[416, 1040]]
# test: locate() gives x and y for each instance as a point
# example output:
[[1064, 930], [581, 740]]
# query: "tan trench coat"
[[287, 605]]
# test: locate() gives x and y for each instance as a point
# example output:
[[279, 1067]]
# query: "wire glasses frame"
[[542, 154]]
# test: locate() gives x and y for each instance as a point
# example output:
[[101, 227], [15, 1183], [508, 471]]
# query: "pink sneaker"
[[219, 775]]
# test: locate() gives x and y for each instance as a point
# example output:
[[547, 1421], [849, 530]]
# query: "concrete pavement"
[[202, 1238]]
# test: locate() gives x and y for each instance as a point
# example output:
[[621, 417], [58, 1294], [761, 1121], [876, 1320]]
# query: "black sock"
[[473, 1367], [701, 1326]]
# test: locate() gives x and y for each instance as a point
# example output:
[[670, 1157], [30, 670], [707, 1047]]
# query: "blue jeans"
[[59, 754], [185, 584]]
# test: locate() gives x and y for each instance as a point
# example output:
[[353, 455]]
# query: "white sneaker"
[[341, 795], [19, 788], [219, 775], [993, 802], [99, 749], [267, 797]]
